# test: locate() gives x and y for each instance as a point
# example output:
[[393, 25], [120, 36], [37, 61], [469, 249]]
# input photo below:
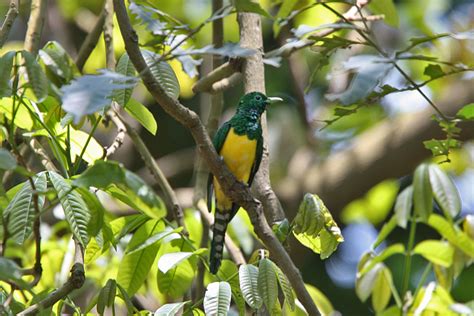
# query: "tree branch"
[[75, 281], [8, 22], [236, 190], [90, 42], [225, 70], [35, 25], [254, 80], [109, 34]]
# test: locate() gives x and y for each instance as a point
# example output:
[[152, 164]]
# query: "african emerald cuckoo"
[[239, 142]]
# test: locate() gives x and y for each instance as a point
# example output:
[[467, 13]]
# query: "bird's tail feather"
[[222, 218]]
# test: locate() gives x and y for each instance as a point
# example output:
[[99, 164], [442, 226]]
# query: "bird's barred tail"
[[222, 218]]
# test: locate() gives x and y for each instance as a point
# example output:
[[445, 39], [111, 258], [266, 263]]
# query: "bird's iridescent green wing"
[[218, 142], [258, 159]]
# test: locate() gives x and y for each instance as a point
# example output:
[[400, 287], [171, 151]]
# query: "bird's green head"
[[255, 101]]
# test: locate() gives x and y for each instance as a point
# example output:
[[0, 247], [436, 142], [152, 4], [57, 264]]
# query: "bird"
[[239, 142]]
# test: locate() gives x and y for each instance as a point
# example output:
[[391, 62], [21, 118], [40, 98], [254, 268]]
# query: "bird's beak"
[[273, 100]]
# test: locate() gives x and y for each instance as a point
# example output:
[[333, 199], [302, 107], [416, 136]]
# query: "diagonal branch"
[[35, 25], [8, 22], [90, 42], [236, 190], [76, 280]]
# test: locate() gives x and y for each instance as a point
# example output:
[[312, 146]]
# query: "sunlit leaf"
[[444, 191], [403, 206], [366, 283], [248, 276], [467, 112], [58, 62], [217, 299], [128, 187], [451, 233], [315, 228], [36, 77], [382, 290], [422, 192], [322, 302], [170, 309], [285, 286], [140, 112], [154, 239], [170, 260], [134, 268], [75, 209], [436, 251], [384, 254]]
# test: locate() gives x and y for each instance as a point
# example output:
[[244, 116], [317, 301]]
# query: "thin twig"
[[41, 152], [205, 83], [237, 191], [8, 22], [35, 25], [76, 280], [90, 42], [169, 195], [109, 34], [394, 62], [119, 138]]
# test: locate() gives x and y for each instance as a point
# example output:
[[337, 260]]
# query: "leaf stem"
[[423, 278], [407, 268], [91, 133]]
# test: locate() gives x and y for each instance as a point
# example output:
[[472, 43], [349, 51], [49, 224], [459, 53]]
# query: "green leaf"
[[228, 271], [387, 252], [387, 228], [163, 73], [20, 212], [134, 268], [140, 112], [248, 277], [106, 296], [467, 112], [6, 65], [75, 209], [11, 272], [124, 185], [403, 206], [93, 93], [154, 239], [126, 299], [250, 6], [438, 252], [170, 309], [422, 192], [434, 71], [285, 287], [444, 191], [217, 299], [365, 283], [171, 260], [177, 280], [96, 209], [387, 8], [92, 153], [456, 237], [22, 117], [267, 283], [124, 67], [36, 77], [441, 147], [322, 302], [382, 290], [315, 228], [7, 161], [58, 62]]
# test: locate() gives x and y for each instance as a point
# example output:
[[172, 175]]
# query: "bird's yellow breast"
[[238, 153]]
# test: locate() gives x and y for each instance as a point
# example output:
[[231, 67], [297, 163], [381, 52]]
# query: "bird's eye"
[[258, 98]]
